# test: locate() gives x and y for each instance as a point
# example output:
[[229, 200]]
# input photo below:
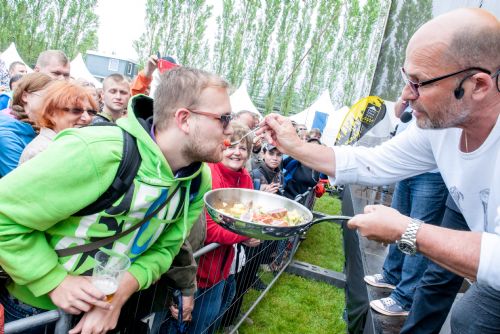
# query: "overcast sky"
[[120, 23]]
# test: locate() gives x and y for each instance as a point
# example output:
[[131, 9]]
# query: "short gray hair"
[[46, 56]]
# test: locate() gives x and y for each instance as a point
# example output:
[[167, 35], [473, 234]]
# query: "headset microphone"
[[459, 91], [406, 116]]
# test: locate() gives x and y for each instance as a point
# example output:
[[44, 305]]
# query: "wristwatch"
[[408, 242]]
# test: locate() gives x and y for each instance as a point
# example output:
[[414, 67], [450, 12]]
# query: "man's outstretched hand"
[[380, 223]]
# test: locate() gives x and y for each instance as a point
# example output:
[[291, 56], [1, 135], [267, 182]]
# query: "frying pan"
[[214, 200]]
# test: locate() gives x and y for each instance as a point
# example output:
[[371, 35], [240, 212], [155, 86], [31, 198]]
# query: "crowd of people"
[[86, 159], [64, 146]]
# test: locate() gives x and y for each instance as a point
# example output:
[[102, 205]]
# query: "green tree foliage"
[[35, 26], [177, 28], [405, 18], [287, 51]]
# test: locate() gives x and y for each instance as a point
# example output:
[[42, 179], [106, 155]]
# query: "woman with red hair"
[[66, 105]]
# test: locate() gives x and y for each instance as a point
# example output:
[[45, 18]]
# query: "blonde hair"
[[181, 87], [239, 130]]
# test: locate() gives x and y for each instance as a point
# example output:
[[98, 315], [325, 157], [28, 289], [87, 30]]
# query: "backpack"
[[127, 170], [125, 175]]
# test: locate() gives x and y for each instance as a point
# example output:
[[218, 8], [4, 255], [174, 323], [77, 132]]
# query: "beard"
[[446, 115], [198, 149]]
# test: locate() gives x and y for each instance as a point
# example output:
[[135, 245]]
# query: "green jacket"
[[39, 197]]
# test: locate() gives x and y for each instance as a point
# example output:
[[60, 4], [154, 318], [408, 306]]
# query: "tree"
[[72, 25]]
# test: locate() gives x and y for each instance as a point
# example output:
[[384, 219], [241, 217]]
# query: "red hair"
[[60, 95]]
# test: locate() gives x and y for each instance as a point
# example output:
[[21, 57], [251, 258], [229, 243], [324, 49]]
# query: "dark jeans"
[[438, 287], [422, 197], [14, 309], [482, 303]]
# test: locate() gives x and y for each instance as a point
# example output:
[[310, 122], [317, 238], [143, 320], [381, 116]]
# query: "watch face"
[[407, 247]]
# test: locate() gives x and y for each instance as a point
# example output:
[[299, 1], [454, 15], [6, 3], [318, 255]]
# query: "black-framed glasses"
[[224, 119], [80, 111], [416, 85], [497, 75]]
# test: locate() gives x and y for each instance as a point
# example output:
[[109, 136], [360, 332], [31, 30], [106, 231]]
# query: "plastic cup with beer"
[[109, 269]]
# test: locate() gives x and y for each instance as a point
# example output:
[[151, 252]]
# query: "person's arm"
[[140, 84], [441, 245], [403, 156], [157, 259], [11, 149], [99, 320], [38, 195]]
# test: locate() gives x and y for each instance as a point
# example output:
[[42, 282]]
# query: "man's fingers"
[[370, 208], [91, 291], [352, 223], [78, 327]]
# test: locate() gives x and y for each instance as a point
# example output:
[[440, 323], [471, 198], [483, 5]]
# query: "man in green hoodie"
[[191, 114]]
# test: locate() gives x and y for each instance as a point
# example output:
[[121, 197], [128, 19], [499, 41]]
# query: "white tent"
[[10, 55], [240, 100], [322, 114], [79, 70], [322, 104]]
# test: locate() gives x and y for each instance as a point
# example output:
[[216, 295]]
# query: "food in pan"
[[274, 217]]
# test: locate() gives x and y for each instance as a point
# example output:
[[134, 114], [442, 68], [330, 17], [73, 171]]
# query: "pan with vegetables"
[[260, 215]]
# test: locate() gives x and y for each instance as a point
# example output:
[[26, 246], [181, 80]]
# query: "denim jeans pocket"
[[16, 309]]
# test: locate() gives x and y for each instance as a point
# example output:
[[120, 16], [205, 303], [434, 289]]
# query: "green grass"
[[323, 244], [297, 305]]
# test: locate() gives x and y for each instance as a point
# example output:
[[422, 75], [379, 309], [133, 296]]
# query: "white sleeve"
[[405, 155], [489, 262], [154, 83]]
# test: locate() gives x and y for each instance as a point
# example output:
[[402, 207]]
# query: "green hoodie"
[[39, 197]]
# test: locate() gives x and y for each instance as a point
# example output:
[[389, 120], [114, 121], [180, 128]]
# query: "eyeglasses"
[[416, 85], [224, 119], [497, 75], [80, 111]]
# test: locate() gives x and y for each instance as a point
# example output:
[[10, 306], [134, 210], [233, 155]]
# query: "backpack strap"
[[101, 242], [127, 170]]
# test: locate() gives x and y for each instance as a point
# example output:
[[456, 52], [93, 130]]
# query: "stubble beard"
[[447, 115], [196, 150]]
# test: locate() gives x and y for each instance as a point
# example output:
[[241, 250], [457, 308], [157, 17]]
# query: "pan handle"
[[332, 219]]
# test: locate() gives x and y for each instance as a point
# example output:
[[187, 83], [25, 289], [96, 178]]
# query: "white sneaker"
[[379, 281], [388, 306]]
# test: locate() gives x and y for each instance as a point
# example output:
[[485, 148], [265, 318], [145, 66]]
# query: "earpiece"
[[459, 92]]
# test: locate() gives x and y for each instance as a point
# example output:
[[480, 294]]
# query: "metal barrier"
[[263, 267], [255, 277]]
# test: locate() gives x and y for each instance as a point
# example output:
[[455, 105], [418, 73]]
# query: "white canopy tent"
[[79, 70], [240, 100], [322, 104], [335, 118], [323, 115], [11, 55]]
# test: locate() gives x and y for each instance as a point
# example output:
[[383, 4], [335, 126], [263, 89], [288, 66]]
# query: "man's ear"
[[183, 120], [36, 69], [481, 85]]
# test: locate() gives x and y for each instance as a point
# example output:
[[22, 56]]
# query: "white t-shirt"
[[473, 179]]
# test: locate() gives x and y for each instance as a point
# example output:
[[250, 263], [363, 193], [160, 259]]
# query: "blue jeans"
[[484, 303], [438, 287], [207, 306], [14, 309], [227, 298], [422, 197]]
